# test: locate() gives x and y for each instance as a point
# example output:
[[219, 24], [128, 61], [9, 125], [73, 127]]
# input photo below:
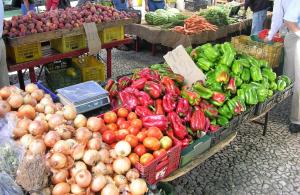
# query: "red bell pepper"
[[187, 118], [124, 82], [218, 98], [170, 133], [139, 83], [128, 100], [113, 92], [169, 85], [214, 128], [147, 73], [159, 121], [179, 129], [159, 110], [131, 90], [142, 111], [169, 102], [144, 98], [191, 96], [109, 84], [211, 112], [183, 107], [207, 124], [155, 90], [198, 121], [231, 85]]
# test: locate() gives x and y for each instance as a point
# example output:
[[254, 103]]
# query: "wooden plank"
[[200, 159], [47, 36]]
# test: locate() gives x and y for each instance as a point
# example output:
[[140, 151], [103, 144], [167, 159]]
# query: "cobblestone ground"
[[251, 164]]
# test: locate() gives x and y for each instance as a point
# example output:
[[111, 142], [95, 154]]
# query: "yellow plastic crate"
[[90, 68], [112, 34], [270, 53], [67, 44], [24, 53]]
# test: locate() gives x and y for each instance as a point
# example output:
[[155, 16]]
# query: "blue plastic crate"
[[48, 91]]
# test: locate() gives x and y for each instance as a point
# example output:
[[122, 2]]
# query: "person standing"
[[4, 79], [259, 9], [152, 5], [292, 58], [26, 6]]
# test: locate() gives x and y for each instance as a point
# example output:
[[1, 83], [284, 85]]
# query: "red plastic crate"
[[160, 167]]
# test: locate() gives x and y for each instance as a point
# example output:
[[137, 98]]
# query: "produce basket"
[[195, 149], [60, 64], [248, 114], [267, 105], [116, 33], [285, 94], [271, 53], [25, 53], [70, 43], [160, 167], [91, 68], [57, 79], [54, 97]]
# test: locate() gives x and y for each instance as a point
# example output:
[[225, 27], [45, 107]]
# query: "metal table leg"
[[21, 79], [32, 75], [137, 44], [266, 123], [109, 62]]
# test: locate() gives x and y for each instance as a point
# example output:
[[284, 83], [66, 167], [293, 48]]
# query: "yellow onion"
[[98, 182], [15, 100], [60, 176], [83, 178], [69, 112], [61, 188]]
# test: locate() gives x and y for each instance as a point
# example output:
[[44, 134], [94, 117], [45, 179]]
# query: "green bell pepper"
[[265, 83], [215, 86], [273, 86], [253, 62], [264, 64], [224, 111], [286, 79], [227, 59], [227, 48], [238, 81], [270, 93], [204, 64], [222, 120], [251, 96], [281, 85], [262, 94], [241, 94], [222, 73], [246, 75], [268, 72], [244, 62], [209, 52], [202, 91], [236, 68], [255, 73]]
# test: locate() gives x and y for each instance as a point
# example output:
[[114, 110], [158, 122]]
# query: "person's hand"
[[146, 8]]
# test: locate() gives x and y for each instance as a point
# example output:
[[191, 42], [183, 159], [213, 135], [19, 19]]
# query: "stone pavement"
[[251, 164]]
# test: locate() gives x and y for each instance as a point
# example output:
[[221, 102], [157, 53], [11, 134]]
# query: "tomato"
[[141, 136], [124, 125], [112, 126], [166, 142], [136, 123], [140, 149], [144, 129], [109, 137], [103, 129], [133, 130], [122, 112], [110, 117], [146, 158], [154, 132], [120, 121], [121, 134], [131, 116], [134, 158], [160, 152], [151, 143], [132, 140]]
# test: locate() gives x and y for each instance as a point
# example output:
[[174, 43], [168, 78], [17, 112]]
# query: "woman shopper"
[[292, 59], [152, 5], [26, 6], [57, 4], [259, 9], [4, 80]]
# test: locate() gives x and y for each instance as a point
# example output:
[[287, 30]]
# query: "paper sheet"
[[94, 43], [181, 63]]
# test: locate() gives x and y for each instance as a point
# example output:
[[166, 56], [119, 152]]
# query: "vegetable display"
[[61, 19], [165, 17]]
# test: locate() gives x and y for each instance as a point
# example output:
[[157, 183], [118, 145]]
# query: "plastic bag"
[[8, 186], [7, 124]]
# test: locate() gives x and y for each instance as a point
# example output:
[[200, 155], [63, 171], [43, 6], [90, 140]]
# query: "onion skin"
[[63, 147], [55, 120], [120, 180], [83, 135], [69, 112], [4, 108], [37, 94], [80, 121], [28, 99], [110, 189], [31, 87], [98, 182], [76, 189], [51, 138], [78, 151], [40, 108], [83, 178], [138, 187], [19, 132], [79, 165], [104, 155], [94, 144], [57, 160], [26, 140], [60, 176], [132, 174], [26, 111], [15, 100], [36, 128], [95, 124], [91, 157], [37, 146], [121, 165], [61, 189], [5, 93], [65, 131]]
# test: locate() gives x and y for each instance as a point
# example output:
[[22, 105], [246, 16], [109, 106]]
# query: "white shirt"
[[1, 17], [279, 10], [293, 12]]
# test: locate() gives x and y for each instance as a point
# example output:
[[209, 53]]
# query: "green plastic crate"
[[57, 79], [195, 149]]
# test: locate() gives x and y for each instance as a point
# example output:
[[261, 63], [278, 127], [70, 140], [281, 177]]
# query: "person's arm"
[[129, 3], [292, 16], [27, 5], [54, 4], [146, 5], [277, 19]]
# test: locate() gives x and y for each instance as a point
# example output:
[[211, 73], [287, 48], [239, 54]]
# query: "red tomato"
[[122, 112], [133, 130], [154, 132], [109, 137], [136, 123], [166, 142], [103, 129], [124, 125], [134, 158], [141, 136], [112, 127], [132, 140], [121, 134], [160, 152], [120, 121], [140, 149], [146, 158], [144, 129], [151, 143], [110, 117], [131, 116]]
